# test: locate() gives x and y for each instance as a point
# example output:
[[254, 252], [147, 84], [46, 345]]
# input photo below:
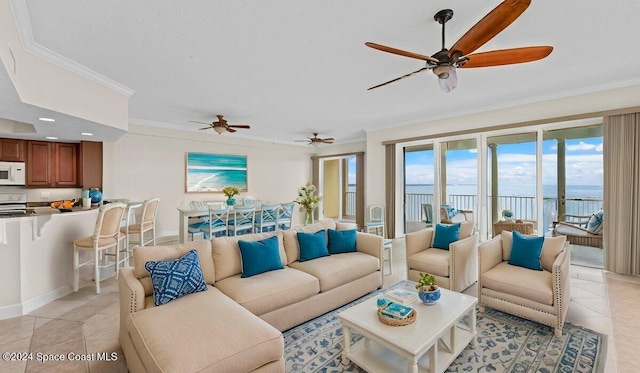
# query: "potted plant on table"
[[230, 192], [428, 289], [308, 200]]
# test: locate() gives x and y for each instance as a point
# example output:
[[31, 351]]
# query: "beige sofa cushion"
[[204, 331], [291, 238], [551, 247], [434, 261], [338, 269], [270, 290], [522, 282], [143, 254], [226, 252]]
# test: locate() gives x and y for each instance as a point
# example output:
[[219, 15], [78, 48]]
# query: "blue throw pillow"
[[172, 279], [312, 245], [342, 241], [526, 251], [445, 235], [259, 256]]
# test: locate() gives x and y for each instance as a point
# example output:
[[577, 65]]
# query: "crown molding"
[[21, 16]]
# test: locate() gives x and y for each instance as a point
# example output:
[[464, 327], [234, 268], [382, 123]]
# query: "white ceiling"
[[292, 67]]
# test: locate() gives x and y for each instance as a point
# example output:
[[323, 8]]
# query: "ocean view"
[[573, 191]]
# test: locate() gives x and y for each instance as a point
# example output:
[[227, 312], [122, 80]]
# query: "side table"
[[524, 227]]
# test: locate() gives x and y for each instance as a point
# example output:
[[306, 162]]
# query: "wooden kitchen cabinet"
[[12, 150], [52, 165], [91, 164], [66, 164], [39, 164]]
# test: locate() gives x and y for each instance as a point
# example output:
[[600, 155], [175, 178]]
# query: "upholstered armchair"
[[538, 295], [455, 269]]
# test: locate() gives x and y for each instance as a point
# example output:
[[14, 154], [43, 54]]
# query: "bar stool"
[[106, 235], [147, 224]]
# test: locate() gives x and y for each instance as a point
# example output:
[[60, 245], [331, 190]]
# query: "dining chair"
[[217, 223], [241, 219], [106, 235], [286, 215], [376, 219], [267, 219]]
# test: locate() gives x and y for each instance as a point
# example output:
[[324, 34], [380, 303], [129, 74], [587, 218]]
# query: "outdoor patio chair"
[[450, 215], [584, 230]]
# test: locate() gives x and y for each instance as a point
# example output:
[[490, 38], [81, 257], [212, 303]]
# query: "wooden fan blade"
[[206, 128], [239, 126], [489, 26], [328, 139], [325, 141], [231, 130], [507, 56], [400, 52], [396, 79], [195, 121]]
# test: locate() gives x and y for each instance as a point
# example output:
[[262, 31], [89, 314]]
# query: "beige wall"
[[150, 162], [331, 189]]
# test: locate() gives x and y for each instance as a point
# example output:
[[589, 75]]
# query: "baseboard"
[[40, 300], [8, 312], [167, 239], [20, 309]]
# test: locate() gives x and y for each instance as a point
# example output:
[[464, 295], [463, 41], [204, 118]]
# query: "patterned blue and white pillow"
[[172, 279], [595, 222], [451, 211]]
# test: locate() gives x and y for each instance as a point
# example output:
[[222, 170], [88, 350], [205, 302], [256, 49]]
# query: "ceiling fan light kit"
[[222, 126], [445, 62]]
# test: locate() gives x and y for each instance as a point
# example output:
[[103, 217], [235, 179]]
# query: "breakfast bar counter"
[[36, 257]]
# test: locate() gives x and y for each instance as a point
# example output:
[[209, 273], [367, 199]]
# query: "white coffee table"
[[387, 348]]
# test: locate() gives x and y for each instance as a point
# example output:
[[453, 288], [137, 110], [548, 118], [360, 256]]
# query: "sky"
[[516, 164]]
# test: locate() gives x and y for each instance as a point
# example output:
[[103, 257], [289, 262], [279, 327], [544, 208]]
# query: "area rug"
[[505, 343]]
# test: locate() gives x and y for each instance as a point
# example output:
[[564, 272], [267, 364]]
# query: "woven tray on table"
[[524, 228], [397, 322]]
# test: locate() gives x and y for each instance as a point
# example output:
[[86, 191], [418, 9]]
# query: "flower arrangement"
[[507, 214], [231, 191], [308, 200]]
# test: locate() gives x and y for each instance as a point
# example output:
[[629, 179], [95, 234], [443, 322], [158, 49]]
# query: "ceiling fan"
[[221, 125], [445, 62], [315, 140]]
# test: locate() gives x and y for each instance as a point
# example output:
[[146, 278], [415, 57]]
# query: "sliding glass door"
[[418, 187]]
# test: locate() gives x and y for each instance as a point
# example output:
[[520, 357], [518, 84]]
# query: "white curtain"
[[622, 194]]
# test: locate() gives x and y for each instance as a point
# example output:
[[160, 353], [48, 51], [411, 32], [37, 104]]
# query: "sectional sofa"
[[236, 325]]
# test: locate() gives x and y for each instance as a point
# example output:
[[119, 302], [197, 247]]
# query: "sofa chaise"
[[236, 324]]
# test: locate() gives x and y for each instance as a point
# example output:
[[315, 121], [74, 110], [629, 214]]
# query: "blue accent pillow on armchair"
[[446, 234], [312, 245], [172, 279], [526, 251], [259, 256], [342, 241]]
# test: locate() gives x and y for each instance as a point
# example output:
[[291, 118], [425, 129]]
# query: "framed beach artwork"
[[213, 172]]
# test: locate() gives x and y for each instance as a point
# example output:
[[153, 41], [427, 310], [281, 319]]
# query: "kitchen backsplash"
[[44, 194]]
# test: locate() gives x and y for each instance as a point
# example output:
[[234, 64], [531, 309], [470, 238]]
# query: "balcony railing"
[[523, 207]]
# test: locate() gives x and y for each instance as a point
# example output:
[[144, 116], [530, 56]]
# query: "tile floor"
[[86, 323]]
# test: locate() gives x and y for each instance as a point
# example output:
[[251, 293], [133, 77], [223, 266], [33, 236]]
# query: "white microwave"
[[12, 173]]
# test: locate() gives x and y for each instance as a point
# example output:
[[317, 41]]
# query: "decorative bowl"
[[429, 297]]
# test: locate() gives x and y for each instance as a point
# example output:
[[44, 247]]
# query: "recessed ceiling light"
[[47, 119], [51, 138], [86, 133]]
